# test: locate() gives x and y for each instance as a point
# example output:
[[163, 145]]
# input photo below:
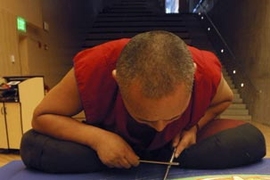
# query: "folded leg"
[[51, 155], [225, 146]]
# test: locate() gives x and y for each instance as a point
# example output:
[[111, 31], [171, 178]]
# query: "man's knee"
[[48, 154], [31, 148], [238, 146]]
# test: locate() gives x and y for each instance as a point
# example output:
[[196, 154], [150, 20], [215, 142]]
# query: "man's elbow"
[[230, 96], [36, 119], [228, 100]]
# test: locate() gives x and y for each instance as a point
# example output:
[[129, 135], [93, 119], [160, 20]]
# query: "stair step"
[[139, 18], [137, 29], [127, 14], [237, 100], [228, 78], [229, 81], [145, 15], [237, 106], [235, 112], [236, 96], [92, 43], [130, 3], [246, 117], [235, 91], [232, 86], [129, 10], [117, 35], [139, 24]]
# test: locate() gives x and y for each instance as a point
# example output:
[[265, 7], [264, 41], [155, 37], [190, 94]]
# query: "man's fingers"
[[176, 141], [125, 164], [133, 159], [127, 161], [180, 147]]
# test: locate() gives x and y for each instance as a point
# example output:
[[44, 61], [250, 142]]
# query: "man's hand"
[[184, 140], [113, 151]]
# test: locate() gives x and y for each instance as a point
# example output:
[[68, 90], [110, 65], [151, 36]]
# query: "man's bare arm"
[[53, 117], [221, 101]]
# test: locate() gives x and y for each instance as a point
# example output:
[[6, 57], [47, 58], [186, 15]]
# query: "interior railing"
[[202, 8]]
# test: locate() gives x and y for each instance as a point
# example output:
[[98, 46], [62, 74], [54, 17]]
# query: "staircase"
[[130, 17], [199, 38], [237, 110]]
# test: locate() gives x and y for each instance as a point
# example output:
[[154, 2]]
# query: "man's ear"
[[114, 74]]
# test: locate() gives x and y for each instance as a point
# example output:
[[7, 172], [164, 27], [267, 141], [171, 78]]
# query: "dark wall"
[[245, 25], [68, 20]]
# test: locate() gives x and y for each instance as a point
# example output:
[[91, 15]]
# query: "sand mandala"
[[228, 177]]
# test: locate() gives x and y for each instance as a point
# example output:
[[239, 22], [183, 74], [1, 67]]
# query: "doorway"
[[171, 6]]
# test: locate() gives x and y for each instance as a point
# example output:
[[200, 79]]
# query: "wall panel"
[[8, 45], [31, 10]]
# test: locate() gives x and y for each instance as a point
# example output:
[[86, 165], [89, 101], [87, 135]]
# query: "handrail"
[[219, 34], [197, 7]]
